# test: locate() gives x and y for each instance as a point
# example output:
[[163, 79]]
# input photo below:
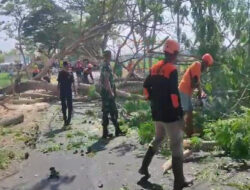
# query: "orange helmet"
[[208, 59], [90, 66], [171, 46]]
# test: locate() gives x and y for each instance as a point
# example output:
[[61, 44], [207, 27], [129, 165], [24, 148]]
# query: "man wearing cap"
[[189, 82], [161, 89], [108, 94]]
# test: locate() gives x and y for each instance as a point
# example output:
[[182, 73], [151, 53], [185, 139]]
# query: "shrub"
[[92, 92], [139, 117], [232, 134], [136, 105], [146, 132]]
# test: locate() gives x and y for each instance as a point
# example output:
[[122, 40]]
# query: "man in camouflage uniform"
[[108, 97]]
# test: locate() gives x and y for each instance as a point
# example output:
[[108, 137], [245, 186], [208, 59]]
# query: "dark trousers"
[[109, 108], [85, 79], [66, 102]]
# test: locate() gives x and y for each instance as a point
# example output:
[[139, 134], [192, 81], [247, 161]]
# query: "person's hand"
[[112, 95], [203, 94]]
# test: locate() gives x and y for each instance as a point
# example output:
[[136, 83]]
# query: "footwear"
[[65, 118], [69, 116], [68, 121], [107, 136], [118, 132], [179, 179], [105, 133], [146, 161], [65, 122]]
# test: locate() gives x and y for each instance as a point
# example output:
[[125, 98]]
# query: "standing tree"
[[45, 26], [17, 11]]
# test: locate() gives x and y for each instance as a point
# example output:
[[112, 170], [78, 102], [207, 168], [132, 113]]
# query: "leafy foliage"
[[44, 26], [92, 92], [232, 134], [135, 105], [141, 119], [146, 132]]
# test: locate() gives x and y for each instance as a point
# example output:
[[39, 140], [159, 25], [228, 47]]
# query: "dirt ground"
[[83, 161]]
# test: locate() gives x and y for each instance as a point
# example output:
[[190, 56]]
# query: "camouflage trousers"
[[109, 108]]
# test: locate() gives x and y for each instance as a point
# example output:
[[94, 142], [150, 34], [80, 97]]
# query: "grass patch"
[[5, 131], [240, 186], [52, 148], [79, 134], [5, 158], [69, 135], [75, 145], [5, 80], [75, 134]]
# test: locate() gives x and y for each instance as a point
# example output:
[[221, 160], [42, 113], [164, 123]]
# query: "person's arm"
[[59, 82], [73, 84], [147, 87], [174, 93], [107, 85], [91, 76]]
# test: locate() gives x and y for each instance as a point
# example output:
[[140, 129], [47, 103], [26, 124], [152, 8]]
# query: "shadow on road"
[[124, 148], [99, 145], [51, 133], [53, 184], [144, 183]]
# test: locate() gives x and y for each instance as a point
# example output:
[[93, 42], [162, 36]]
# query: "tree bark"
[[13, 120], [52, 89], [168, 164]]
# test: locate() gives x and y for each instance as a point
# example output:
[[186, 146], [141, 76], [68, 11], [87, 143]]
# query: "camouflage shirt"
[[106, 72]]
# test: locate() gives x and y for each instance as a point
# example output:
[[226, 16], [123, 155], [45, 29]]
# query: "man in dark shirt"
[[65, 82], [161, 88]]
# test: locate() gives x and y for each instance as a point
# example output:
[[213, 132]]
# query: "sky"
[[6, 44]]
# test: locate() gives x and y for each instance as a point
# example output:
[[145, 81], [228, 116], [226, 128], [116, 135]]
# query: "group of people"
[[83, 70], [169, 103], [108, 93]]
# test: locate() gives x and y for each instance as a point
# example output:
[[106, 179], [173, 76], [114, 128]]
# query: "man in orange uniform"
[[161, 88], [190, 81]]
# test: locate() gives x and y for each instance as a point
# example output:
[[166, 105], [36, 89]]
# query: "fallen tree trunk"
[[119, 93], [45, 97], [14, 120], [168, 164], [52, 88], [130, 83], [28, 101], [204, 145], [31, 85]]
